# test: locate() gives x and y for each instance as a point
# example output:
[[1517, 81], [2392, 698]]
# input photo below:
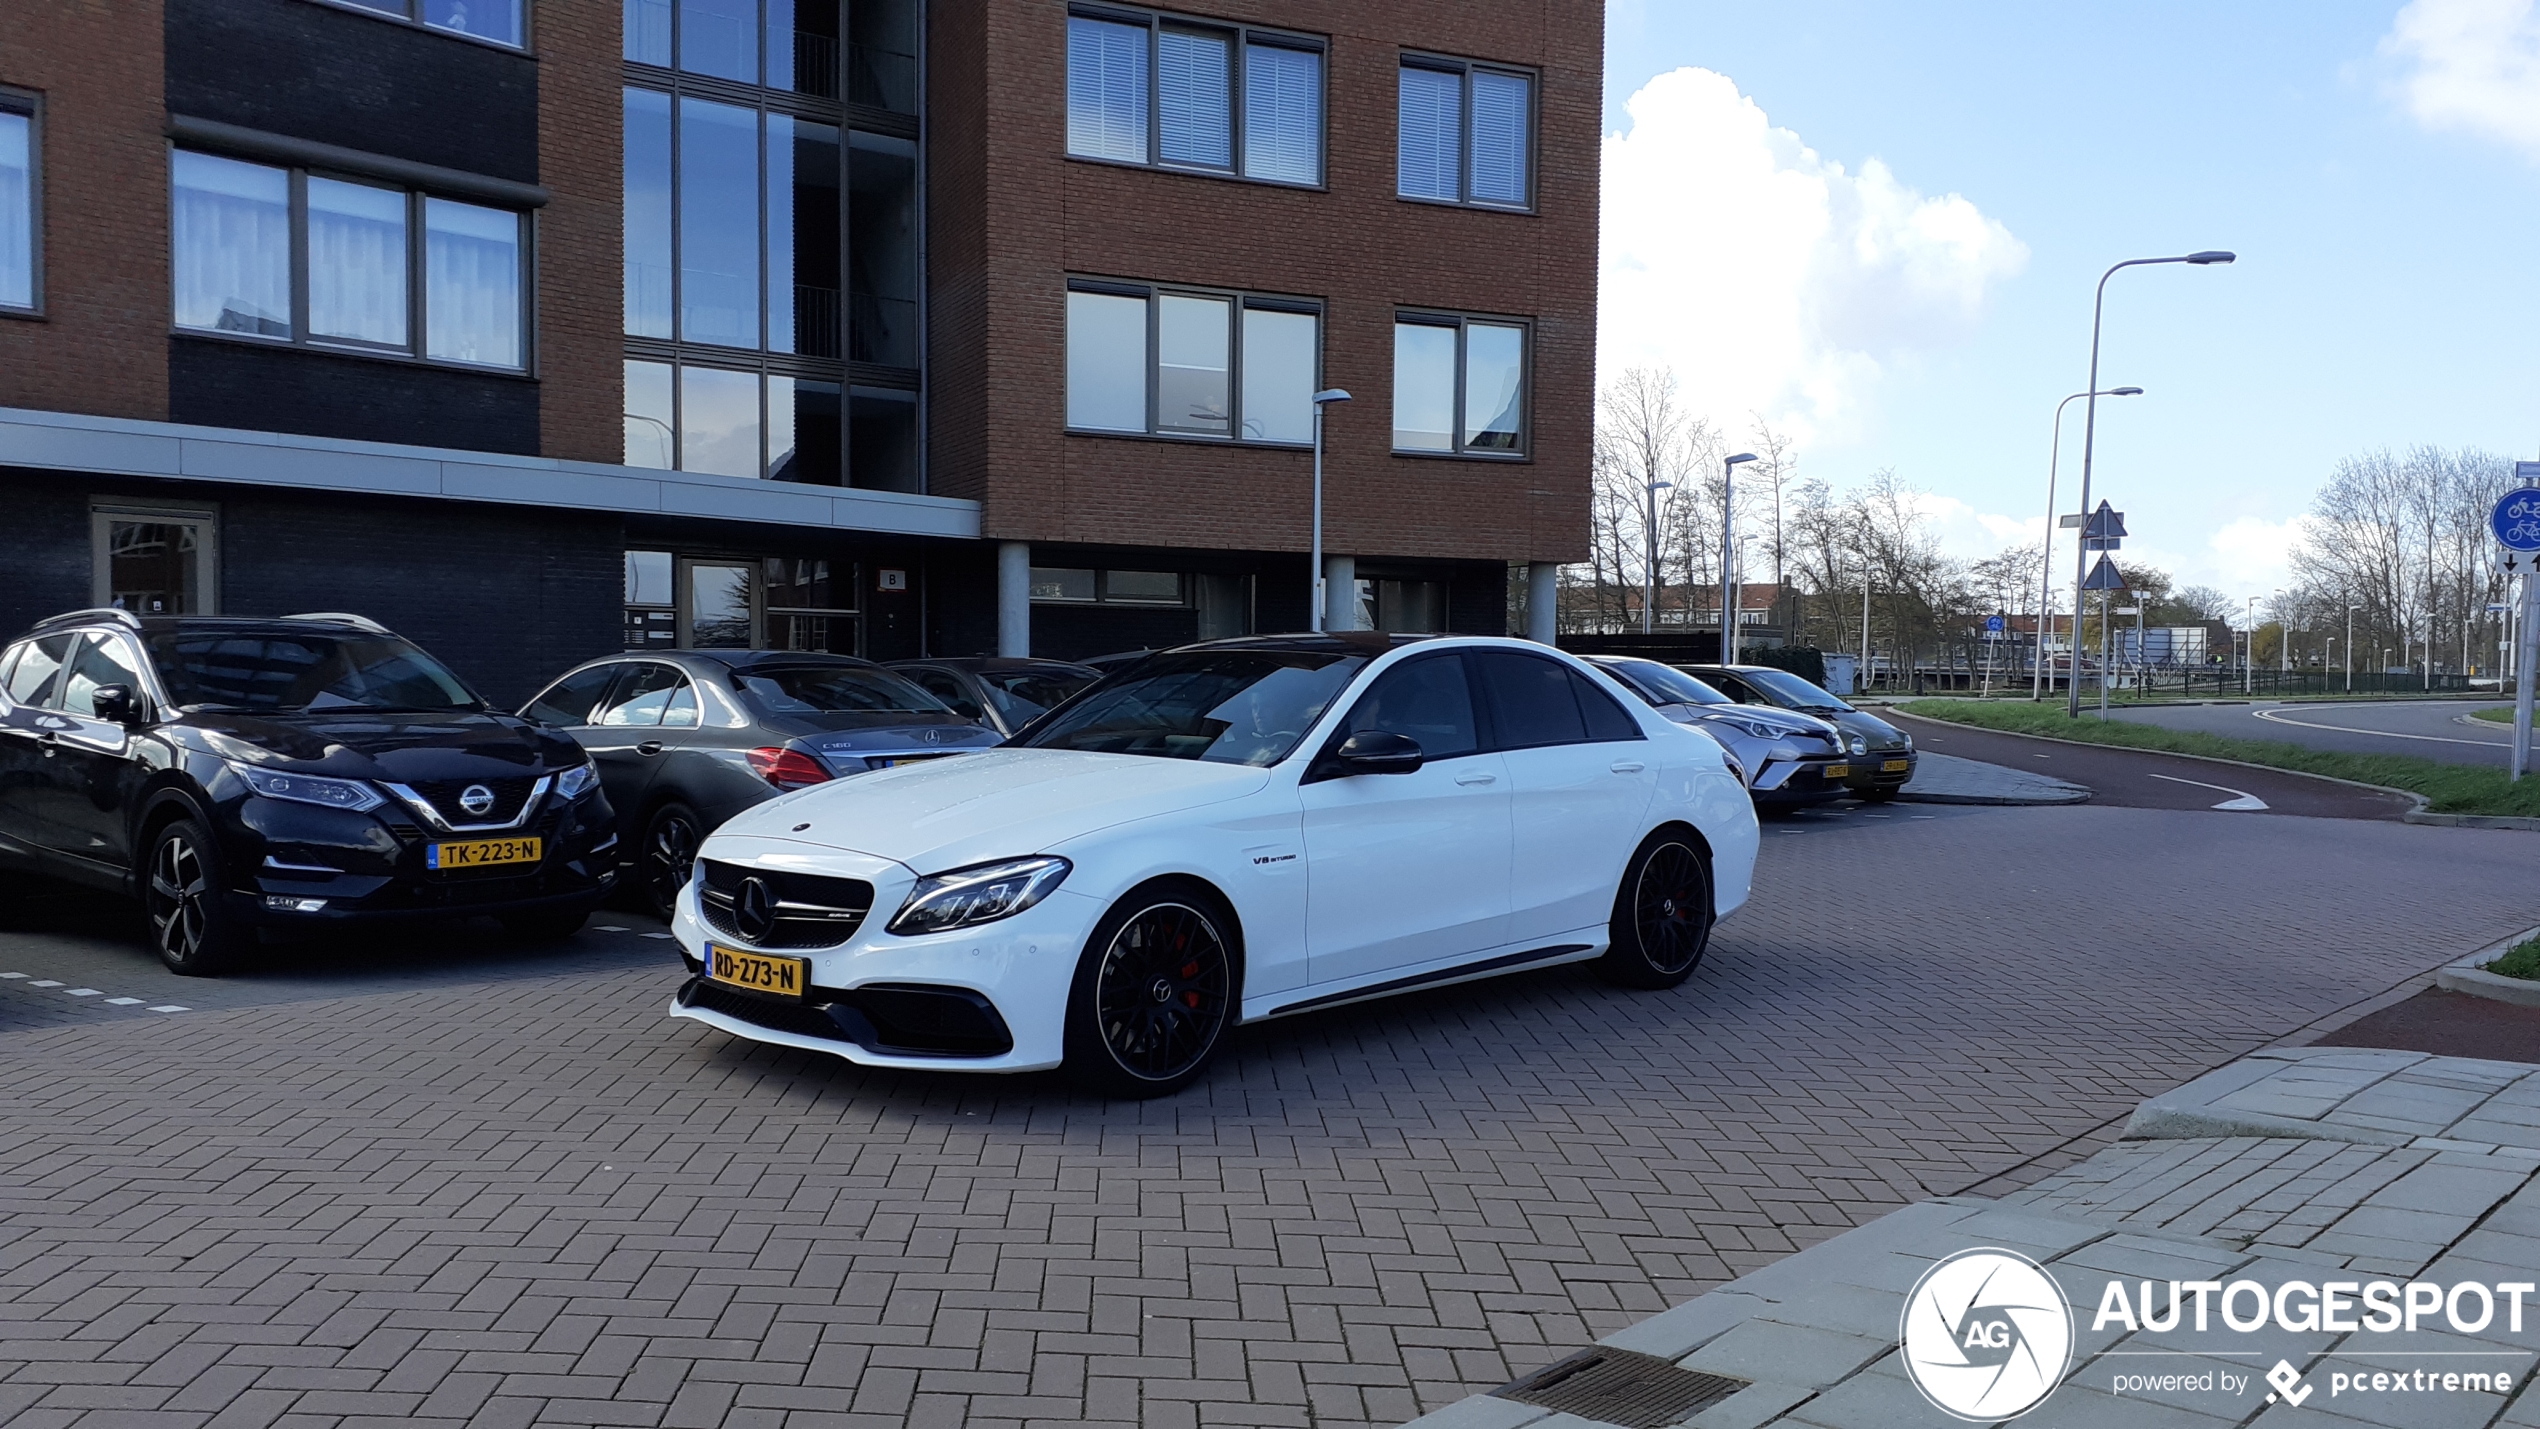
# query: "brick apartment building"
[[538, 328]]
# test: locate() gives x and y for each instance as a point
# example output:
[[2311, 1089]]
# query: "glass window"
[[882, 438], [718, 223], [232, 233], [651, 432], [718, 421], [471, 283], [568, 702], [1423, 387], [681, 711], [1234, 707], [804, 165], [719, 606], [1500, 111], [942, 685], [1464, 134], [648, 216], [802, 46], [882, 249], [833, 689], [882, 54], [1429, 133], [1283, 114], [1194, 98], [648, 32], [38, 662], [652, 618], [1280, 352], [1190, 374], [1531, 702], [102, 660], [244, 670], [1106, 90], [1459, 386], [496, 20], [154, 567], [719, 38], [1106, 362], [1153, 587], [17, 210], [1052, 583], [804, 433], [357, 262], [1023, 696], [1606, 720], [1425, 700], [640, 695]]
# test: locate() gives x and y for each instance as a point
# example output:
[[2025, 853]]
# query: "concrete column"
[[1340, 593], [1014, 599], [1543, 595]]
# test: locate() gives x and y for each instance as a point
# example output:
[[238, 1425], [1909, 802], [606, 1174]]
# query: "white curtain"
[[357, 262], [17, 214], [233, 246], [471, 283]]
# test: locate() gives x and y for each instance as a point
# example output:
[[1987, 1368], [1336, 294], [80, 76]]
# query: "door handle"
[[1628, 766], [1476, 776], [650, 746]]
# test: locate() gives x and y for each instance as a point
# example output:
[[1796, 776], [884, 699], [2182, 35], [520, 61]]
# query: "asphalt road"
[[2426, 729], [2136, 779]]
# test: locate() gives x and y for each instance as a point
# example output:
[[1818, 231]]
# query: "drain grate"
[[1621, 1387]]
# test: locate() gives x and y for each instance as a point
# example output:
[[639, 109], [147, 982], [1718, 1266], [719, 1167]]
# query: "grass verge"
[[2448, 788], [2520, 960], [2502, 714]]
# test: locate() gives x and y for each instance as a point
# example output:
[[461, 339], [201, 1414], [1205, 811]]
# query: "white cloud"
[[2474, 67], [1771, 279]]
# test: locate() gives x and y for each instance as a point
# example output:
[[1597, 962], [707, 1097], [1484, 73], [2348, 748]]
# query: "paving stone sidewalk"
[[2306, 1164], [1947, 779]]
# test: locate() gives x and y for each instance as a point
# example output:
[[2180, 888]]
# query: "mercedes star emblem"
[[754, 912]]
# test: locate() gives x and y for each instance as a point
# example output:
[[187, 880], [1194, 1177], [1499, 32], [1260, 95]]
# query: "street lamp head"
[[1740, 457], [1662, 486], [2125, 391], [1331, 394], [2211, 255]]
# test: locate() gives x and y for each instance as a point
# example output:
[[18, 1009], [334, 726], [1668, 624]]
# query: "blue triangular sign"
[[2105, 524], [2103, 576]]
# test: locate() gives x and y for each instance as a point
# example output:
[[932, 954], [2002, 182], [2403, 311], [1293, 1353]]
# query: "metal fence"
[[2216, 682]]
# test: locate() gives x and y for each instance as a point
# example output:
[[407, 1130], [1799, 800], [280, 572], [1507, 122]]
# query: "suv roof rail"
[[115, 613], [339, 617]]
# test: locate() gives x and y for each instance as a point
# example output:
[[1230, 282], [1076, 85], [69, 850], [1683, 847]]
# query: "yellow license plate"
[[784, 977], [482, 853], [1896, 766], [1838, 771]]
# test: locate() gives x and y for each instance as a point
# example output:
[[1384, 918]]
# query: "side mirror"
[[114, 704], [1376, 751]]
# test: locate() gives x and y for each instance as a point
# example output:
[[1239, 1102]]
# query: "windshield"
[[1023, 696], [1224, 706], [288, 673], [1672, 686], [1791, 692], [834, 689]]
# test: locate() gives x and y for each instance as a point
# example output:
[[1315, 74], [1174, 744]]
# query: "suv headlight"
[[1754, 728], [981, 893], [350, 795], [581, 779]]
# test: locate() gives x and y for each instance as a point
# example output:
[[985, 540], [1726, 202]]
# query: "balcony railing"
[[815, 321], [815, 64]]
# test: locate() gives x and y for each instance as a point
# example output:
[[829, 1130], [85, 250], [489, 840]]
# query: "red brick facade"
[[101, 346], [1011, 217], [581, 352]]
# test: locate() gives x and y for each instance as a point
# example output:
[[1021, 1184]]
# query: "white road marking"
[[656, 935], [83, 992], [2238, 802], [606, 928], [171, 1007], [45, 982], [123, 1002], [2278, 717], [12, 975]]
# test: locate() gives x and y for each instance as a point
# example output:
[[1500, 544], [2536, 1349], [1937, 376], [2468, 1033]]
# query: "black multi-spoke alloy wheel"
[[1662, 913], [1155, 992], [668, 854], [193, 927]]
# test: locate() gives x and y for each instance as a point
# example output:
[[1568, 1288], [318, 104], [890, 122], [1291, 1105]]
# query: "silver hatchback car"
[[1787, 757]]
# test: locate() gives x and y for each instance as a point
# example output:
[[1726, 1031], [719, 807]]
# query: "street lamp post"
[[2046, 557], [1321, 399], [2350, 649], [1649, 572], [2090, 432], [1728, 556]]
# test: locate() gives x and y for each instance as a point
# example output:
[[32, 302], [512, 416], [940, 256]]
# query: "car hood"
[[398, 746], [1879, 733], [1000, 803]]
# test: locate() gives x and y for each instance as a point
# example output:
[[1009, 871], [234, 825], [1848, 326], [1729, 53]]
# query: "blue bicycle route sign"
[[2516, 520]]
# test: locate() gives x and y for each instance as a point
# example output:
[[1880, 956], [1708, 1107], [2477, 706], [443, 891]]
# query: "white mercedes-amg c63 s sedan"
[[1227, 831]]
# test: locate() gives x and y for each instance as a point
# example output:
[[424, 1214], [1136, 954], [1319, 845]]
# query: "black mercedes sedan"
[[1004, 694], [299, 772], [685, 739]]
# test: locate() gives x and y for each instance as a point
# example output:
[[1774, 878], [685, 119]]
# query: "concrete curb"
[[2469, 975], [2416, 815], [1908, 796]]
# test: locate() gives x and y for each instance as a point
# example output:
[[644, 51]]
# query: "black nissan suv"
[[305, 771]]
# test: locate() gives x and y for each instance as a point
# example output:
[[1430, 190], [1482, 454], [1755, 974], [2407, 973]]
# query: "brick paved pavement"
[[538, 1200]]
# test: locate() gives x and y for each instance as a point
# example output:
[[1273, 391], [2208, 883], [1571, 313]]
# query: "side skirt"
[[1461, 972]]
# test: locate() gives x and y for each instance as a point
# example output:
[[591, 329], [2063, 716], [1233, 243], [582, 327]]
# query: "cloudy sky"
[[1878, 226]]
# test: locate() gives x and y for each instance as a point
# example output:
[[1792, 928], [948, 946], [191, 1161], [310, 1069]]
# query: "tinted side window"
[[944, 687], [1606, 720], [102, 660], [37, 664], [1426, 700], [641, 693], [1530, 700], [681, 711], [568, 701]]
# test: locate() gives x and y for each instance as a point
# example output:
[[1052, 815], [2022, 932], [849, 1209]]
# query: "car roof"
[[752, 659], [162, 624], [1329, 642], [996, 664]]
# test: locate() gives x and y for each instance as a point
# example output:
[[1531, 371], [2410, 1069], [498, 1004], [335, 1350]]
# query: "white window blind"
[[1106, 90], [1283, 114], [1430, 134], [1499, 137], [1194, 99]]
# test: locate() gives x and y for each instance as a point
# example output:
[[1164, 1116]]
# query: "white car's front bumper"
[[1023, 965]]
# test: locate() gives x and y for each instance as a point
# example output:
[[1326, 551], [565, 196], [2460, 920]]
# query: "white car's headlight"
[[981, 893], [348, 794], [577, 781]]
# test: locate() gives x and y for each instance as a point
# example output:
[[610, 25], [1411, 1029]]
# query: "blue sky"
[[2383, 295]]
